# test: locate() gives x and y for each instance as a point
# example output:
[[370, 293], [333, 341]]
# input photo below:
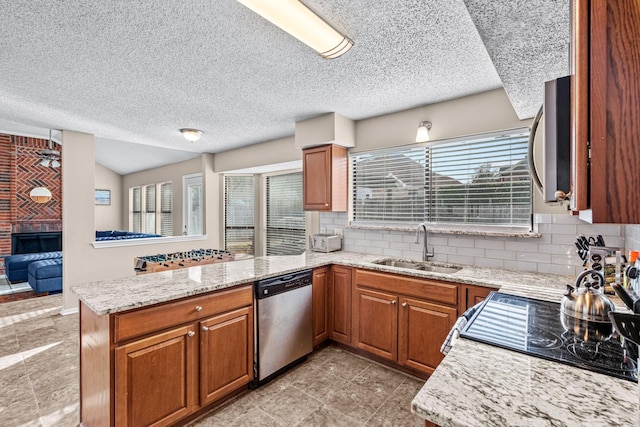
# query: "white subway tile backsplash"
[[490, 244], [474, 252], [461, 242], [520, 265], [490, 262], [380, 244], [393, 252], [504, 255], [536, 257], [553, 252]]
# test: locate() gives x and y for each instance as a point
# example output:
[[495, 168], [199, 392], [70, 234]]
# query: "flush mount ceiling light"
[[191, 134], [423, 132], [302, 23]]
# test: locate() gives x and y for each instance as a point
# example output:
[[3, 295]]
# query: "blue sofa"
[[16, 266], [46, 275], [121, 235]]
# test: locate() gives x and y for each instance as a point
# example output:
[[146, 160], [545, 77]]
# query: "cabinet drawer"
[[432, 290], [147, 320]]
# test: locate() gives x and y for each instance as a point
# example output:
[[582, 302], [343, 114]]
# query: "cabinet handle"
[[326, 204], [393, 301], [191, 333], [204, 328], [404, 304], [198, 308]]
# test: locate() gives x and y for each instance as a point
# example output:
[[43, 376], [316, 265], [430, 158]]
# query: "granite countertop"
[[481, 385], [475, 385], [146, 289]]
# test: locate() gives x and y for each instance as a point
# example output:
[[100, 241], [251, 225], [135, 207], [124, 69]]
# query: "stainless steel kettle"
[[587, 302]]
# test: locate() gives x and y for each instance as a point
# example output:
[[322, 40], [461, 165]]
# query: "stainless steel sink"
[[419, 265]]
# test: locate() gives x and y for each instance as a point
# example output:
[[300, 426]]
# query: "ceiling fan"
[[49, 156]]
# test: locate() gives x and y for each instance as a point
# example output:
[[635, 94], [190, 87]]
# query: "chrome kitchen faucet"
[[425, 252]]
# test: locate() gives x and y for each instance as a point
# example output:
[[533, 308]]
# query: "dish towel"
[[454, 333]]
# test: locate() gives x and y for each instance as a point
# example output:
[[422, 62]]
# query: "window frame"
[[157, 219], [437, 226]]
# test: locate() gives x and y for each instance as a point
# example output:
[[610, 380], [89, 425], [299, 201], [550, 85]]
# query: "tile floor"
[[8, 288], [39, 381]]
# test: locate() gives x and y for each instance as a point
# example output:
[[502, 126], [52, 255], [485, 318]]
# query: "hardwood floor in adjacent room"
[[39, 377]]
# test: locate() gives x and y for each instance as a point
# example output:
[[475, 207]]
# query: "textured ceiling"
[[529, 44], [137, 71]]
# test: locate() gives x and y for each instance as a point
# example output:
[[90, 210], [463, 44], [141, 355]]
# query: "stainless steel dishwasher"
[[283, 321]]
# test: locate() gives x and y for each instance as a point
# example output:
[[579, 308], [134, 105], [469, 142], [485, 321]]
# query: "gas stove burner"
[[540, 338]]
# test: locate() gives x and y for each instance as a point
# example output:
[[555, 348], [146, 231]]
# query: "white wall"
[[82, 262], [266, 153], [109, 217]]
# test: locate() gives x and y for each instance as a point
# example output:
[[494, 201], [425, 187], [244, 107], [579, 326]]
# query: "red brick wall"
[[20, 171]]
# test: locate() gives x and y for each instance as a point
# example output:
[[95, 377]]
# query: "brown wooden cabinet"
[[226, 353], [325, 178], [376, 322], [606, 110], [320, 306], [422, 329], [340, 304], [403, 319], [167, 361], [472, 295]]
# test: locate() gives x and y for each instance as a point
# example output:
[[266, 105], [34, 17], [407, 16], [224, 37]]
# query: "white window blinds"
[[149, 208], [136, 209], [285, 233], [239, 230], [481, 180], [166, 208]]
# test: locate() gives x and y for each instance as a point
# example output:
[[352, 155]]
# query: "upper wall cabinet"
[[606, 110], [325, 178]]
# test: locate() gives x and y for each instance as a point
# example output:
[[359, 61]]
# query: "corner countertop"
[[479, 385], [146, 289]]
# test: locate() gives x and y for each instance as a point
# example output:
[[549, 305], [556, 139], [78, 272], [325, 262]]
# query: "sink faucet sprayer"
[[425, 252]]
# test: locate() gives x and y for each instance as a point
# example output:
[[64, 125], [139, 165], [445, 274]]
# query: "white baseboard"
[[69, 311]]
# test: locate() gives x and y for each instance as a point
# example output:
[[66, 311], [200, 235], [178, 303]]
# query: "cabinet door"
[[340, 305], [476, 294], [155, 378], [317, 178], [422, 330], [226, 353], [376, 322], [320, 306], [324, 172]]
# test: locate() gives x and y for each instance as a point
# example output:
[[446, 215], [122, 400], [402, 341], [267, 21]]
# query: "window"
[[482, 180], [192, 204], [239, 232], [144, 206], [285, 233]]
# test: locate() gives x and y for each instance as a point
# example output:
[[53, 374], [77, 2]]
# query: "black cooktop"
[[538, 328]]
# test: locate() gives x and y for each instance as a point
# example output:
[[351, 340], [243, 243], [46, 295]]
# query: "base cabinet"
[[155, 383], [395, 319], [320, 306], [376, 322], [340, 304], [422, 329], [226, 354], [168, 361]]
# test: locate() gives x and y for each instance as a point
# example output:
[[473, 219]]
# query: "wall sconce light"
[[40, 194], [423, 132], [191, 134], [302, 23]]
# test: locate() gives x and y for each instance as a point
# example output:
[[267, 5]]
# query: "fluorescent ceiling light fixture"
[[302, 23], [191, 134], [423, 132]]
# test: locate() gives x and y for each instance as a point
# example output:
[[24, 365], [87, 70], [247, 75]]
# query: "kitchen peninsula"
[[472, 376]]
